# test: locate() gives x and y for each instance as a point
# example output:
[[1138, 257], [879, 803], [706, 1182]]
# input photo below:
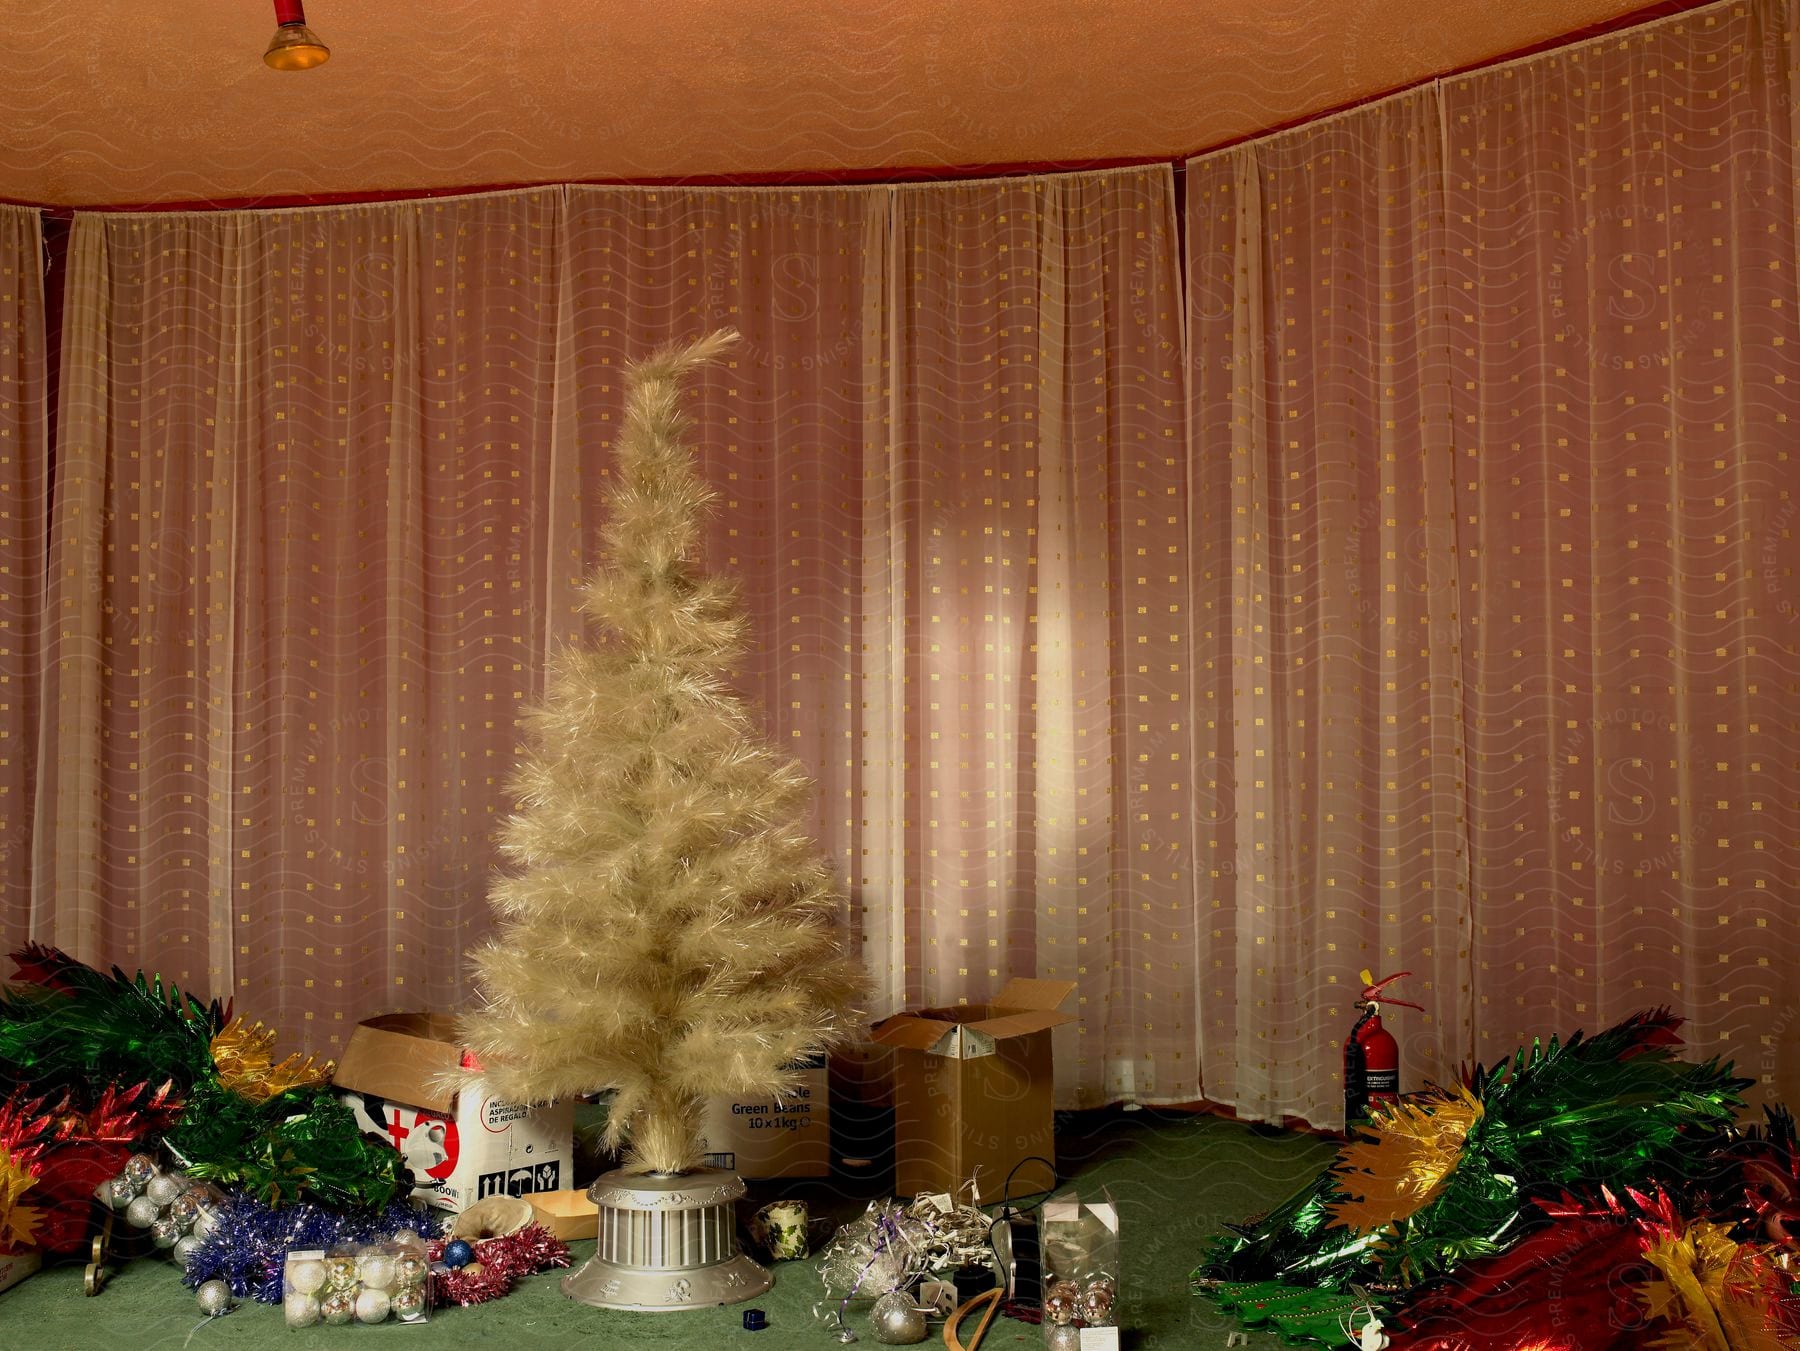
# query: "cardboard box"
[[758, 1136], [461, 1145], [16, 1266], [569, 1215], [973, 1090]]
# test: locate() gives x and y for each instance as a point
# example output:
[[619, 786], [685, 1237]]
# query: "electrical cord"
[[1025, 1310]]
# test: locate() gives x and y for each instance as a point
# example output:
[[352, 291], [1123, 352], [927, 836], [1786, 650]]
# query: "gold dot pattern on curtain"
[[1622, 284], [1327, 615]]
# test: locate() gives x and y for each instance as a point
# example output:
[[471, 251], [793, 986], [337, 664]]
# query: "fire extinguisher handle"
[[1372, 991]]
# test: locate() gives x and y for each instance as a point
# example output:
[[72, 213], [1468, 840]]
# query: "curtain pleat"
[[24, 474], [1322, 416]]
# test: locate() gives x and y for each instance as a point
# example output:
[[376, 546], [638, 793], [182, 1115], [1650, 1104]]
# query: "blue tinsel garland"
[[250, 1244]]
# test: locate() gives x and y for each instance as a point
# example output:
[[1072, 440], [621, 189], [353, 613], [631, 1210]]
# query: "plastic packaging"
[[1081, 1267], [357, 1283]]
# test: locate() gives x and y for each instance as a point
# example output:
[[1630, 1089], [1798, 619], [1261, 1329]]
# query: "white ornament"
[[306, 1276], [376, 1269], [301, 1311], [372, 1306]]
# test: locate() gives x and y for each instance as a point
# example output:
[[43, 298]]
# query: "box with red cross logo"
[[398, 1075]]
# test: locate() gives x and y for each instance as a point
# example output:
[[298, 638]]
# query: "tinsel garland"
[[1616, 1274], [1447, 1175], [251, 1240], [67, 1028], [301, 1143], [499, 1263], [274, 1128], [1573, 1190], [61, 1153]]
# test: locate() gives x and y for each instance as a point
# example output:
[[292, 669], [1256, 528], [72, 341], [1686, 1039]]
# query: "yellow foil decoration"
[[1397, 1169], [243, 1053], [1715, 1294], [18, 1223]]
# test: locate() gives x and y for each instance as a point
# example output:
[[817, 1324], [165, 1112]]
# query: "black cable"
[[1006, 1187], [1026, 1294]]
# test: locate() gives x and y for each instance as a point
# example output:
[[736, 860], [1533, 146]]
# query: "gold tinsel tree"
[[666, 927]]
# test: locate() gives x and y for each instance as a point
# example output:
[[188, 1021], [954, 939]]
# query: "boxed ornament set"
[[357, 1283]]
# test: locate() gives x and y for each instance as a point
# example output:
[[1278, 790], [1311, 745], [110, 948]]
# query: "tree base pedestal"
[[666, 1242]]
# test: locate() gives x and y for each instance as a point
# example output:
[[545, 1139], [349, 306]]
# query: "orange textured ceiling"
[[122, 101]]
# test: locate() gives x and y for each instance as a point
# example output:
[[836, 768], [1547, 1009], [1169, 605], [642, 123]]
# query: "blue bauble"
[[458, 1254]]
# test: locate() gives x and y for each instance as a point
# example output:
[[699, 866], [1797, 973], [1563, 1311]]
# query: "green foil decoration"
[[1616, 1110], [65, 1027]]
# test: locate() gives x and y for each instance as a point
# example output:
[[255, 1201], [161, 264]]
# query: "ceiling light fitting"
[[294, 46]]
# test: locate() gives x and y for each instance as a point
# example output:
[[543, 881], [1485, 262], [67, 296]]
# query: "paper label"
[[1099, 1339]]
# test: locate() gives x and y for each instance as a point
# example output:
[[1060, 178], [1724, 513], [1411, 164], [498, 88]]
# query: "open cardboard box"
[[462, 1144], [569, 1215], [974, 1092]]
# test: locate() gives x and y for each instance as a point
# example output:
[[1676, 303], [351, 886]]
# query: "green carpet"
[[1176, 1177]]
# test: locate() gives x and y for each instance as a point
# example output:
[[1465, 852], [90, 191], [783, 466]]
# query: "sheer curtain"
[[24, 461], [1492, 393], [328, 478], [1327, 611], [1026, 683], [1622, 287]]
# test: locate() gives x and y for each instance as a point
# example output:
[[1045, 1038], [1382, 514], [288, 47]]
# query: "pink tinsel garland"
[[503, 1261]]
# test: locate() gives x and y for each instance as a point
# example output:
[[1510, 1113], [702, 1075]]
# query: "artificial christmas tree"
[[667, 932]]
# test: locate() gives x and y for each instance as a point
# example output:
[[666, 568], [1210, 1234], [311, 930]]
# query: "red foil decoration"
[[503, 1262], [1569, 1286]]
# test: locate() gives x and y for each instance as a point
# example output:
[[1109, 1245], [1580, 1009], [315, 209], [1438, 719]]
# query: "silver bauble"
[[184, 1210], [215, 1298], [185, 1248], [409, 1303], [338, 1308], [1066, 1337], [376, 1271], [372, 1306], [142, 1213], [206, 1221], [898, 1320], [301, 1311], [164, 1188], [164, 1232], [139, 1169], [120, 1192], [303, 1274], [1062, 1301]]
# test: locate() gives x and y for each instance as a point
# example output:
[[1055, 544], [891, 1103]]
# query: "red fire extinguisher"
[[1371, 1055]]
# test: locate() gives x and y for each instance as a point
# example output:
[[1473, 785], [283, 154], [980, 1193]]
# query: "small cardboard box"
[[973, 1090], [461, 1145], [758, 1136], [569, 1215], [16, 1266]]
